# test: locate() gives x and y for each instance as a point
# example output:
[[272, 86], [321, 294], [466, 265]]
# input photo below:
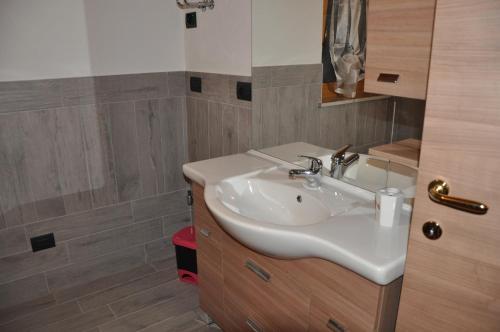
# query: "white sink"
[[285, 218]]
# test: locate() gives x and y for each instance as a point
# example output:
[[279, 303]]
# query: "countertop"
[[358, 243]]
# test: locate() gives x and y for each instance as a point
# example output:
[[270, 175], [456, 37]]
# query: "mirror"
[[287, 83]]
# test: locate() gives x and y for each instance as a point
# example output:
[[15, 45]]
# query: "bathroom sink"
[[272, 197], [321, 217]]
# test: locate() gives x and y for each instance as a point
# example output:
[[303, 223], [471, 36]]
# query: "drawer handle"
[[253, 326], [335, 326], [205, 232], [261, 273], [388, 78]]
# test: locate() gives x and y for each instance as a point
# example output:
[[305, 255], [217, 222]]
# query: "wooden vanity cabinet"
[[243, 290], [399, 36]]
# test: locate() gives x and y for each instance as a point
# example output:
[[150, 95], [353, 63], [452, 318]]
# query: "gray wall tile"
[[124, 139], [72, 226], [119, 88], [244, 129], [158, 206], [115, 239], [12, 240], [16, 199], [24, 264], [42, 163], [149, 146], [29, 95], [177, 84], [215, 129], [197, 126], [99, 153], [229, 129], [409, 118], [79, 91], [172, 121]]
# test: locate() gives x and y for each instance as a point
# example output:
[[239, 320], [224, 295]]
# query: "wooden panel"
[[453, 283], [399, 34], [209, 259], [406, 152], [287, 298]]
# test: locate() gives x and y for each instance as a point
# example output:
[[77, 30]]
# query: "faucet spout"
[[340, 162]]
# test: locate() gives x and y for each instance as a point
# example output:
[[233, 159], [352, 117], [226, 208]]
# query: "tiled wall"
[[96, 161], [218, 123], [285, 109]]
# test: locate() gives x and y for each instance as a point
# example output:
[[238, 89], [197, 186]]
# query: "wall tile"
[[22, 290], [124, 140], [233, 98], [338, 126], [94, 269], [12, 241], [29, 95], [172, 121], [177, 84], [119, 88], [99, 153], [266, 102], [71, 161], [372, 120], [24, 264], [409, 120], [261, 77], [229, 129], [43, 317], [149, 147], [215, 129], [113, 240], [158, 206], [292, 114], [244, 129], [16, 201], [42, 163], [197, 126], [79, 91], [72, 226]]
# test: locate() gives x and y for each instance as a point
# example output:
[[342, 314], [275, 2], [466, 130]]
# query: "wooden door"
[[453, 283]]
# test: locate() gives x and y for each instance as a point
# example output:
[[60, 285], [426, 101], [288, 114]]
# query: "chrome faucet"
[[314, 168], [340, 162]]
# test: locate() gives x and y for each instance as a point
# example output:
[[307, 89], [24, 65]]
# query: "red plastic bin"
[[185, 253]]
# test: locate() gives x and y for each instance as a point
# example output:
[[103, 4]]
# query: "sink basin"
[[282, 202], [295, 218]]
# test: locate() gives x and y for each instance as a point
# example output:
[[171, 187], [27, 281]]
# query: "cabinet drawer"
[[211, 288], [240, 317], [336, 314], [279, 302], [206, 226]]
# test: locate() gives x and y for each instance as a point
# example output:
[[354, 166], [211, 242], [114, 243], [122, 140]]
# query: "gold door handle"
[[438, 192]]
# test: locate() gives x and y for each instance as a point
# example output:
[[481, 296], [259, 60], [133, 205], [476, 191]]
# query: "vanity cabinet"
[[399, 36], [243, 290]]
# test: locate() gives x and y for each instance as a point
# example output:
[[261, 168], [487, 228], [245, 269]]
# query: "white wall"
[[67, 38], [286, 32], [222, 41]]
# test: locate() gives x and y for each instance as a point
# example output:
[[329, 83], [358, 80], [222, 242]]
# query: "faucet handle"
[[340, 153], [316, 164]]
